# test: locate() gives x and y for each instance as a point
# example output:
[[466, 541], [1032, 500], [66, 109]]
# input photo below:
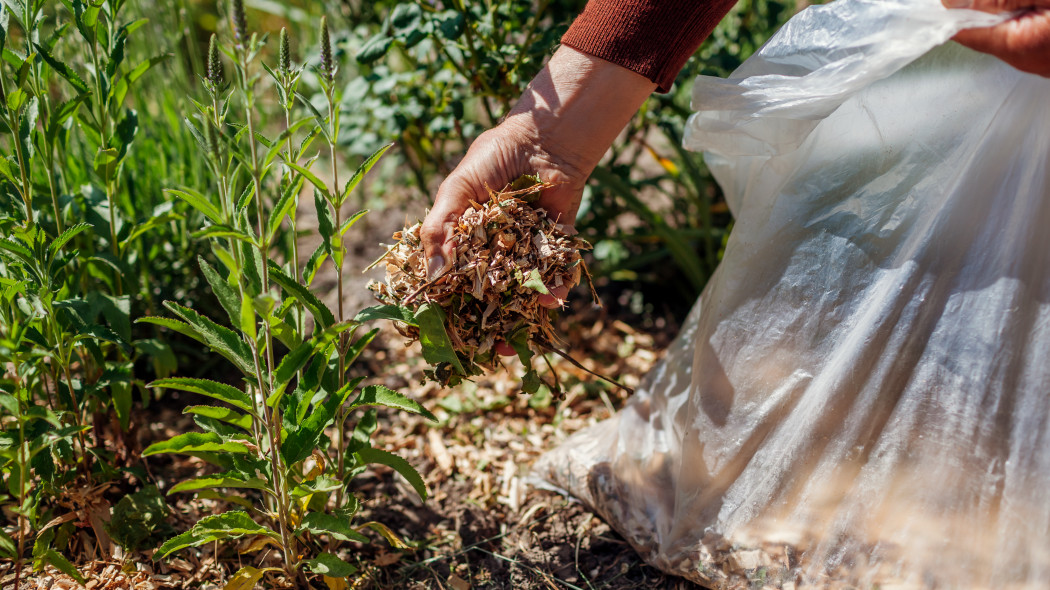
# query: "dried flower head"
[[215, 73], [506, 254], [284, 60], [239, 22], [327, 63]]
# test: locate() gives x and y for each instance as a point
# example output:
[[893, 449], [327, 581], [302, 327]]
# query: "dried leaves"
[[506, 255]]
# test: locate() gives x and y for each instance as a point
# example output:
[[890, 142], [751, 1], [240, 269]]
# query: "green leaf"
[[314, 180], [232, 524], [378, 395], [194, 442], [136, 516], [315, 262], [106, 162], [387, 312], [350, 221], [225, 480], [63, 239], [198, 202], [325, 225], [375, 48], [534, 281], [7, 546], [173, 325], [373, 455], [322, 315], [62, 70], [437, 347], [364, 167], [55, 560], [453, 25], [519, 341], [334, 526], [299, 443], [282, 208], [227, 415], [224, 292], [531, 382], [222, 340], [213, 389], [329, 565], [183, 541]]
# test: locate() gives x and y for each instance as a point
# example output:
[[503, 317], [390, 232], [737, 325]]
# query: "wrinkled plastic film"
[[862, 394]]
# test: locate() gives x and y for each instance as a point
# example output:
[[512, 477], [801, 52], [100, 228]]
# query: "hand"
[[559, 130], [497, 157], [1023, 41]]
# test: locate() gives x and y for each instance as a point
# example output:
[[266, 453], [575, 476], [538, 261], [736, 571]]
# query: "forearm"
[[577, 105]]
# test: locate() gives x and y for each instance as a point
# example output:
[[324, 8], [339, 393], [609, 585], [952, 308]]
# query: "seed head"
[[239, 22], [285, 54], [214, 63], [327, 64]]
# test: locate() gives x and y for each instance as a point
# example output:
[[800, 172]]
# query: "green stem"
[[339, 443]]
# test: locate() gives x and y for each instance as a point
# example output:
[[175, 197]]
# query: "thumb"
[[452, 199]]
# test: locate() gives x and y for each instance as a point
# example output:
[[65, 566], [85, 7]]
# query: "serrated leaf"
[[173, 325], [437, 347], [224, 292], [213, 389], [329, 524], [198, 202], [225, 480], [373, 455], [62, 70], [350, 221], [322, 315], [364, 167], [378, 395], [63, 239], [314, 180], [222, 340], [299, 443], [232, 524], [226, 415], [196, 442], [182, 541], [327, 564]]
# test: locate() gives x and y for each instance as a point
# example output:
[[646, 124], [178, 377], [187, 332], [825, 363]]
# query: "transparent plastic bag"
[[861, 396]]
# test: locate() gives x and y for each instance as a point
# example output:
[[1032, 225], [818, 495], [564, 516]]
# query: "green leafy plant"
[[293, 353]]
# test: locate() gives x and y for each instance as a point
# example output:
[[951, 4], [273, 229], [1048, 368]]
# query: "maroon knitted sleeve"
[[651, 37]]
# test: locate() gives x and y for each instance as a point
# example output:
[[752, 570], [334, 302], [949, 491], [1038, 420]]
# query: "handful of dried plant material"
[[506, 255]]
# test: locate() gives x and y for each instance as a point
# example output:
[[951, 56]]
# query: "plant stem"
[[336, 205]]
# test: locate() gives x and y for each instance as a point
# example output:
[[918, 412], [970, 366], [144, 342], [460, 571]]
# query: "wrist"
[[577, 105]]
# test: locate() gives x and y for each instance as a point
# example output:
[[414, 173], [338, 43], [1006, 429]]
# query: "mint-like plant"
[[267, 433]]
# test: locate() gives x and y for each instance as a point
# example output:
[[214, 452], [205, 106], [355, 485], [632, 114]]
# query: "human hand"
[[559, 130], [1023, 41], [497, 157]]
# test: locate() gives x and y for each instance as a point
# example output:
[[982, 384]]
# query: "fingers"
[[452, 199], [1022, 41], [556, 298]]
